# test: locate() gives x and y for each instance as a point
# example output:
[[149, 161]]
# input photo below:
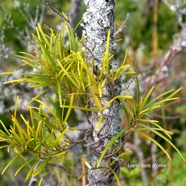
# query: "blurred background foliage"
[[18, 19]]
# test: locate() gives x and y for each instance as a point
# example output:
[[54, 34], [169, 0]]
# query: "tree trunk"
[[97, 20]]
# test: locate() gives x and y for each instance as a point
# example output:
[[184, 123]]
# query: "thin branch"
[[121, 28], [3, 49], [166, 117], [58, 13], [178, 7]]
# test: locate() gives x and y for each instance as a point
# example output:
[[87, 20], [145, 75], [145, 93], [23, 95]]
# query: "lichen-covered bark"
[[97, 20]]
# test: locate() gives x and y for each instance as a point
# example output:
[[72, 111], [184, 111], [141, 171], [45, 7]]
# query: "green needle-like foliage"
[[62, 67], [138, 115], [137, 112], [42, 136], [59, 66]]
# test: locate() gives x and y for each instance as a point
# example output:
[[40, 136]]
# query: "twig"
[[68, 21], [166, 117], [177, 7], [137, 70], [83, 171], [123, 25], [57, 12]]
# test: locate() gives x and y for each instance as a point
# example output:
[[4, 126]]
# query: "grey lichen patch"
[[98, 18]]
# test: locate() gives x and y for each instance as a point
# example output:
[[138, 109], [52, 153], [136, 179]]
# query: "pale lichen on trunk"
[[97, 20]]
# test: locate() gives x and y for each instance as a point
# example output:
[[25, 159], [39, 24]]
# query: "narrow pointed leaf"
[[154, 141], [10, 162], [166, 139], [22, 166], [111, 142]]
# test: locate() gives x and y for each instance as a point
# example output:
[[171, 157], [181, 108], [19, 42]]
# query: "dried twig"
[[123, 25]]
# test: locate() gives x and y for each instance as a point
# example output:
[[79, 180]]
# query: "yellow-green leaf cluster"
[[137, 112], [42, 135], [61, 66]]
